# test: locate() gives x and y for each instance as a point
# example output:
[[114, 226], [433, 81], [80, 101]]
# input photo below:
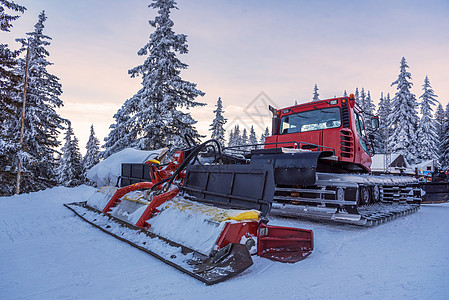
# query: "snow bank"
[[108, 171]]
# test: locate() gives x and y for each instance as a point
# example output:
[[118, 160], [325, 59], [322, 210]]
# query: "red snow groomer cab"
[[337, 184], [334, 125]]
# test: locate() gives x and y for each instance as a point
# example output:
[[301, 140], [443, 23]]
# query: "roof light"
[[352, 97], [333, 102]]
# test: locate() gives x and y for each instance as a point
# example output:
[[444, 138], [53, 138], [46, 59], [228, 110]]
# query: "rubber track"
[[379, 213]]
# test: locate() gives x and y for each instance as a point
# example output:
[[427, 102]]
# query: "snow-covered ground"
[[46, 252]]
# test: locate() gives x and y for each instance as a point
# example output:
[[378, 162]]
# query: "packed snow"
[[47, 252]]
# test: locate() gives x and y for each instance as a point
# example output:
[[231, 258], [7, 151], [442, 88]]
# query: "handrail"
[[297, 145]]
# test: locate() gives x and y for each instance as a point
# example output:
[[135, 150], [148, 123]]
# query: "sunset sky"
[[249, 53]]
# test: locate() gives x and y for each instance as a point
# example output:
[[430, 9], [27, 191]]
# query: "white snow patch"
[[101, 197], [135, 216], [187, 227], [108, 171]]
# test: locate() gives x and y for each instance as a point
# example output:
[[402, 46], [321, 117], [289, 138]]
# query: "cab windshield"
[[317, 119]]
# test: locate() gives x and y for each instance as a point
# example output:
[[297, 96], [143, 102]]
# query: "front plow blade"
[[222, 265]]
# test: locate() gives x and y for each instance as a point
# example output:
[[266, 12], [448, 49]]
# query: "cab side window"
[[361, 132]]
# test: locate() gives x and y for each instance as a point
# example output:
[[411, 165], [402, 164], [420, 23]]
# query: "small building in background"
[[397, 164]]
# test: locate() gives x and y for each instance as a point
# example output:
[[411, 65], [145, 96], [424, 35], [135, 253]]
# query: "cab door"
[[362, 153]]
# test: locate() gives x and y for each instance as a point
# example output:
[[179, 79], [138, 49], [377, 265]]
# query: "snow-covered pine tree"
[[231, 138], [42, 122], [439, 120], [384, 112], [6, 18], [9, 105], [361, 100], [404, 117], [439, 125], [356, 95], [70, 169], [428, 143], [244, 139], [237, 138], [217, 126], [252, 136], [345, 94], [264, 135], [92, 156], [368, 113], [369, 105], [444, 159], [122, 134], [316, 95], [157, 118], [8, 61]]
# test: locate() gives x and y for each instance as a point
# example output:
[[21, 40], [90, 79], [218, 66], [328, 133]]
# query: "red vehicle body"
[[327, 125]]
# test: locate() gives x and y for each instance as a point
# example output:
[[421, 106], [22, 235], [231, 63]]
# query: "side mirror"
[[375, 122]]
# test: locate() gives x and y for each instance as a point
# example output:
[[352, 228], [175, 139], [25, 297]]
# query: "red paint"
[[233, 232], [123, 191], [151, 208], [284, 244], [329, 138]]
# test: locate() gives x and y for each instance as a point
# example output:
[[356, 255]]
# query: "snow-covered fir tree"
[[316, 95], [9, 105], [361, 99], [217, 126], [121, 135], [235, 139], [5, 17], [345, 94], [157, 114], [9, 80], [252, 136], [428, 142], [244, 140], [231, 138], [356, 95], [70, 168], [384, 112], [369, 107], [439, 125], [92, 156], [404, 117], [42, 123], [444, 159], [265, 134], [439, 120], [373, 134]]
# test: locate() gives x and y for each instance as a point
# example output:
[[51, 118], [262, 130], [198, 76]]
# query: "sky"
[[250, 53]]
